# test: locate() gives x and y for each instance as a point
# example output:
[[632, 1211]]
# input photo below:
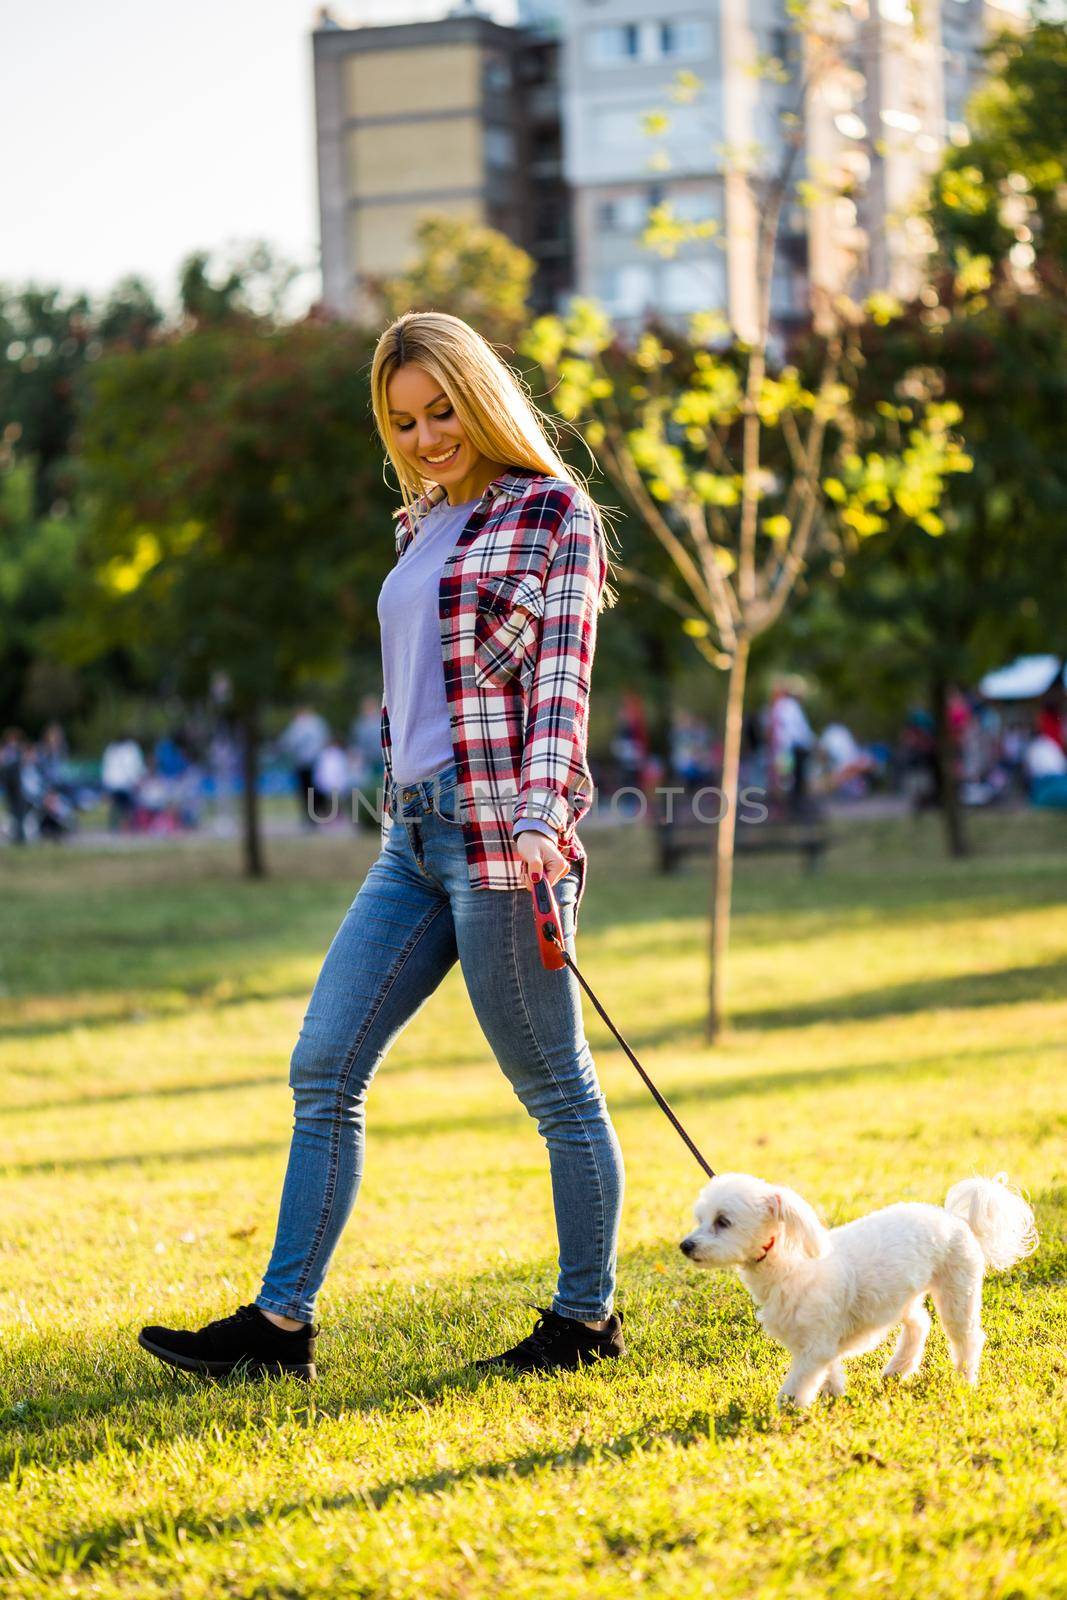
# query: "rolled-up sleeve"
[[555, 784]]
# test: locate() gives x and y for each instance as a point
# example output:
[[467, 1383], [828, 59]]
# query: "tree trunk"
[[248, 730], [722, 878], [659, 733], [951, 808]]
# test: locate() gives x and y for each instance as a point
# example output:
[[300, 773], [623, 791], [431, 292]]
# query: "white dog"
[[830, 1293]]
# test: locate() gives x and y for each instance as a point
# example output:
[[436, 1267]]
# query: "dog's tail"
[[997, 1215]]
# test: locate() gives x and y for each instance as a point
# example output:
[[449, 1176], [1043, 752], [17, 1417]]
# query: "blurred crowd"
[[999, 754], [36, 785], [328, 770], [781, 754], [174, 783], [44, 790]]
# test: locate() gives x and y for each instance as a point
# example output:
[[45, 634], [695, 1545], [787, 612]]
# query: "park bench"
[[685, 834]]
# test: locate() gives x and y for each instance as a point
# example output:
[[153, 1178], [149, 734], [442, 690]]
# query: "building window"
[[629, 42], [618, 44], [691, 206], [550, 224], [626, 290], [686, 37], [783, 46], [692, 286], [499, 147], [628, 213], [617, 128]]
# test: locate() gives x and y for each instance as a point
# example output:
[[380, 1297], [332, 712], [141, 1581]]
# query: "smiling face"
[[427, 432]]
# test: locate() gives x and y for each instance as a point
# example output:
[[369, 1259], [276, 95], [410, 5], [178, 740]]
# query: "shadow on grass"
[[737, 1085], [145, 1009], [171, 1091], [177, 925], [137, 1401], [961, 991], [97, 1545], [137, 1158]]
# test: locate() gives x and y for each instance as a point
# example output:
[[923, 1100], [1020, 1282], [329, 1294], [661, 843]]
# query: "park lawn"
[[900, 1021]]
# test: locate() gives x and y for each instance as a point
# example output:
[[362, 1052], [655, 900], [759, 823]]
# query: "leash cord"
[[647, 1081]]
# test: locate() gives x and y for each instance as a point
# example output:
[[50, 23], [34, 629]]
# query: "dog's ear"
[[799, 1229]]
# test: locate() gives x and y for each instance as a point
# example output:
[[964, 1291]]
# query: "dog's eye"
[[721, 1221]]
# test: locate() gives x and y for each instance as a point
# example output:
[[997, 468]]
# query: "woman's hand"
[[541, 856]]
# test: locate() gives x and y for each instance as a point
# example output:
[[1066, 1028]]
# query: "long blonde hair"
[[498, 413]]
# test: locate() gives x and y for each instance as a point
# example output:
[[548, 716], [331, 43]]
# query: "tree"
[[744, 461], [253, 282], [37, 563], [993, 585], [738, 469], [1000, 197], [237, 515], [472, 271], [990, 332], [48, 339]]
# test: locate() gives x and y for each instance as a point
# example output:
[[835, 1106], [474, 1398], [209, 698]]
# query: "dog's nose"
[[687, 1247]]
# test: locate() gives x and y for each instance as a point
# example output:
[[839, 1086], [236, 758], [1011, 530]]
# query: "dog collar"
[[762, 1255]]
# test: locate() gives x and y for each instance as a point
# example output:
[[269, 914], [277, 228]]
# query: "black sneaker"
[[560, 1343], [247, 1341]]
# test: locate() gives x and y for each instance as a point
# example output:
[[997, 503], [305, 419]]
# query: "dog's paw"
[[787, 1400], [892, 1373]]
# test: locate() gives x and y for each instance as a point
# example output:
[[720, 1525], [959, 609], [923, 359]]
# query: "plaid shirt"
[[518, 602]]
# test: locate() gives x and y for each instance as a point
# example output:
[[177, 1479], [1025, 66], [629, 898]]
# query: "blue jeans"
[[414, 914]]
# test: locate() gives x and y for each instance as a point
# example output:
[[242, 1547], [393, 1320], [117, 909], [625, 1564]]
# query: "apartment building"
[[874, 128], [460, 116], [547, 131], [883, 121]]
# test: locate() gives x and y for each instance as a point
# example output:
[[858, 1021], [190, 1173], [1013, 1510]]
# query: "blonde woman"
[[488, 623]]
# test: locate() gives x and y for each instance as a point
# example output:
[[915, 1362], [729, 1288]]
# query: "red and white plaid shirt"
[[518, 601]]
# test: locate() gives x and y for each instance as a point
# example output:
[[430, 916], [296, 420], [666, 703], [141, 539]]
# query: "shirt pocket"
[[507, 622]]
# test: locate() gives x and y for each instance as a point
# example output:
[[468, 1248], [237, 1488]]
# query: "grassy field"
[[899, 1022]]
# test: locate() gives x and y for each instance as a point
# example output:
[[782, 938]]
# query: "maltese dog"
[[830, 1293]]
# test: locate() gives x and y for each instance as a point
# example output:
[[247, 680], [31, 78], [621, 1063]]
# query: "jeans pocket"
[[444, 798]]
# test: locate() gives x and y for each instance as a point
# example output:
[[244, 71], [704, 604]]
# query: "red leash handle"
[[554, 956], [546, 918]]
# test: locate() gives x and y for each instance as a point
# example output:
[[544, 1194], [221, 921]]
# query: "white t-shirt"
[[789, 726], [1044, 758]]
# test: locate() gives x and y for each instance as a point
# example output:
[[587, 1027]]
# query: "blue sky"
[[135, 131]]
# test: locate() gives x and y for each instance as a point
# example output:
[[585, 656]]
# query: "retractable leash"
[[554, 956]]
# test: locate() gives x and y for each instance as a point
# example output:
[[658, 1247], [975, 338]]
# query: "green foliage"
[[673, 421], [474, 272], [238, 520], [48, 339], [1001, 195], [993, 585], [37, 564], [991, 340], [254, 282]]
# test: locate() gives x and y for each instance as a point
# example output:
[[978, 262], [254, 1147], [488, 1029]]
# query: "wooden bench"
[[687, 835]]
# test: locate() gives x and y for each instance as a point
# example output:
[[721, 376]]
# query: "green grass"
[[899, 1022]]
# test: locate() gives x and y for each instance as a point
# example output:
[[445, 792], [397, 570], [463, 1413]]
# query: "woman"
[[488, 631]]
